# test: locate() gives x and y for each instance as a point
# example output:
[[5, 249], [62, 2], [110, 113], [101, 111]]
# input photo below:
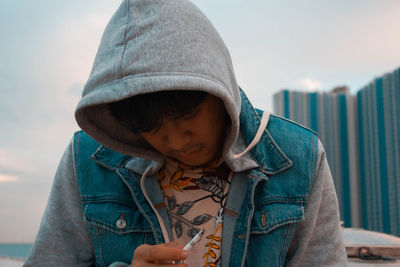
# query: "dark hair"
[[146, 112]]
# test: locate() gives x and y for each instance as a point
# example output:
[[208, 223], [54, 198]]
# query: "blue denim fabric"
[[260, 226], [109, 193]]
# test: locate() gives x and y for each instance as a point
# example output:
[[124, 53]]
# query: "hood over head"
[[150, 46]]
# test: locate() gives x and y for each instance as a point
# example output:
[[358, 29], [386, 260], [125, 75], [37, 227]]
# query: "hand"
[[159, 255]]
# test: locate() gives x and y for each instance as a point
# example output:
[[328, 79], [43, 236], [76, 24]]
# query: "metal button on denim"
[[121, 223]]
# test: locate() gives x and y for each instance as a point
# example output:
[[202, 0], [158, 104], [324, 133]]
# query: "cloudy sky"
[[47, 49]]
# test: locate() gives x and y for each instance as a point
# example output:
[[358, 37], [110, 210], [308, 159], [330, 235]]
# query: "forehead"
[[211, 110], [212, 104]]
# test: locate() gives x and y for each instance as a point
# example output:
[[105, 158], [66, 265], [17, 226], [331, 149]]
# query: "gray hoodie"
[[149, 46]]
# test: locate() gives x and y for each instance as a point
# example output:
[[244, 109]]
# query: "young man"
[[171, 146]]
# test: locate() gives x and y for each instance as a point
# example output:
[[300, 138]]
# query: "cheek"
[[212, 137], [155, 142], [158, 147]]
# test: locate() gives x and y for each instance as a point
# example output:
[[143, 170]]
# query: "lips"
[[190, 154]]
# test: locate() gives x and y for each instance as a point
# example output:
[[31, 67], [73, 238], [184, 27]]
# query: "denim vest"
[[264, 204]]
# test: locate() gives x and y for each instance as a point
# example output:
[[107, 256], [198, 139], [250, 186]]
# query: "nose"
[[177, 137]]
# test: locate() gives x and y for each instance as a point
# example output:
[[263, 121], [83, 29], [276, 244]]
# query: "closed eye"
[[192, 114]]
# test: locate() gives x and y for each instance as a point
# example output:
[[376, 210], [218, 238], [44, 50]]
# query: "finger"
[[159, 253], [173, 245], [158, 264], [169, 264]]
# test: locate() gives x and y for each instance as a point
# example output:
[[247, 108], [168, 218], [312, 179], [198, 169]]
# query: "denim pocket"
[[115, 217], [117, 230], [273, 215], [272, 228]]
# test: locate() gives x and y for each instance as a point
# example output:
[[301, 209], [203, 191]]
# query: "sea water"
[[18, 251]]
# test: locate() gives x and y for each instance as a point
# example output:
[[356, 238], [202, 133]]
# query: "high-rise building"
[[332, 116], [379, 138], [361, 136]]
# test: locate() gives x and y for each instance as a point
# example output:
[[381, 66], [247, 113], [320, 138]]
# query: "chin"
[[199, 160], [194, 164], [198, 163]]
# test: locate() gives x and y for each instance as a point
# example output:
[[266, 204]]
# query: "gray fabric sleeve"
[[63, 238], [318, 240]]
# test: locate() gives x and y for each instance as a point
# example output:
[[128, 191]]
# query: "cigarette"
[[192, 242]]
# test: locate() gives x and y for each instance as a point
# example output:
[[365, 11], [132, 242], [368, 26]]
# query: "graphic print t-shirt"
[[195, 200]]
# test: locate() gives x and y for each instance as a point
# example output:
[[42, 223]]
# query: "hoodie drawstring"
[[261, 128]]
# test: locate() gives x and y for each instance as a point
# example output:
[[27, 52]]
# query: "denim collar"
[[267, 154], [113, 160]]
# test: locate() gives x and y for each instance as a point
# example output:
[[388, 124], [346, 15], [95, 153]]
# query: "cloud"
[[78, 45], [310, 84], [9, 159], [5, 178], [13, 163]]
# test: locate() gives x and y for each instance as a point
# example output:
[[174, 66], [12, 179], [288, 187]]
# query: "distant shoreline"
[[11, 258], [6, 261]]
